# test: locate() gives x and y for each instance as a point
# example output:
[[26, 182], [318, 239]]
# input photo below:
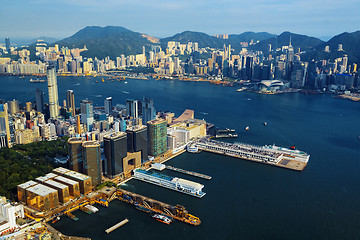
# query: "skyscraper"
[[115, 150], [92, 161], [71, 102], [148, 110], [53, 92], [4, 117], [87, 115], [132, 108], [75, 154], [137, 141], [13, 106], [108, 105], [39, 100], [157, 137], [7, 44]]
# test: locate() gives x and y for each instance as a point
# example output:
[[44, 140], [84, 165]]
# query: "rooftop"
[[56, 184], [76, 140], [41, 190], [66, 180], [61, 170], [190, 183], [27, 184], [91, 143], [115, 135], [156, 121], [77, 175]]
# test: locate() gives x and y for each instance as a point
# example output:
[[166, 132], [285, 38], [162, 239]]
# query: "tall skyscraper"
[[148, 110], [132, 108], [53, 92], [92, 161], [39, 100], [4, 124], [7, 44], [28, 106], [75, 154], [71, 102], [137, 141], [115, 150], [87, 115], [157, 137], [108, 105]]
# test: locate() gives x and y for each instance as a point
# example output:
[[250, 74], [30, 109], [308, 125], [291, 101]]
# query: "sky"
[[163, 18]]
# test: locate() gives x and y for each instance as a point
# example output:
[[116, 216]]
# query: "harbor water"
[[244, 200]]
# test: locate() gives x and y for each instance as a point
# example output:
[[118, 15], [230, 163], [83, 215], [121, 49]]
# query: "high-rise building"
[[92, 161], [87, 115], [137, 141], [13, 106], [115, 150], [4, 123], [148, 110], [132, 108], [53, 92], [71, 102], [39, 100], [157, 137], [75, 154], [7, 44], [108, 105], [28, 106]]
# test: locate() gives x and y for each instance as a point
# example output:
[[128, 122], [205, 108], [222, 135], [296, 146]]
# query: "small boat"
[[162, 218], [55, 220], [37, 80], [292, 147], [125, 82], [247, 128], [265, 123]]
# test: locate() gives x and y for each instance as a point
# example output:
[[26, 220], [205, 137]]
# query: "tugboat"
[[247, 128], [162, 218]]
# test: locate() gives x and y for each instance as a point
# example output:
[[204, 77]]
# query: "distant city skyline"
[[160, 18]]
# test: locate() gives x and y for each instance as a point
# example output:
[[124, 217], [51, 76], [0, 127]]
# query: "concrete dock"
[[188, 172], [271, 155], [116, 226]]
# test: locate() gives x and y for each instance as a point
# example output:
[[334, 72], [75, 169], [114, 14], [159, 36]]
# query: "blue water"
[[244, 200]]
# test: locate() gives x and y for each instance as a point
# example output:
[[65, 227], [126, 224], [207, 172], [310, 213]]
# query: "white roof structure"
[[41, 190], [28, 184], [189, 183]]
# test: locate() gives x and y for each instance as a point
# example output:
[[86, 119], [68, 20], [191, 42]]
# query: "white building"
[[8, 215]]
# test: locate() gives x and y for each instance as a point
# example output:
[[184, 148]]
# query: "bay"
[[244, 200]]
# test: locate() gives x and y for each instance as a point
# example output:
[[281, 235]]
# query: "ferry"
[[162, 218], [37, 80], [173, 183]]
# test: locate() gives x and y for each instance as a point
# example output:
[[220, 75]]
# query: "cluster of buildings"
[[276, 63], [54, 189], [103, 141]]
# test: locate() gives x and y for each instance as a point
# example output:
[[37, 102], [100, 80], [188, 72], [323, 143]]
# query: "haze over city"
[[160, 18]]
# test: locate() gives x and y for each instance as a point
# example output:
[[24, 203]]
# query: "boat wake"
[[204, 113], [125, 92], [98, 96]]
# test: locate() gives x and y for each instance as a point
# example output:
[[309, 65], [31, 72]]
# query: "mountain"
[[248, 36], [297, 41], [203, 39], [350, 45], [206, 40], [109, 41]]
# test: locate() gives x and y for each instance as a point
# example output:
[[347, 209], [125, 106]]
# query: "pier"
[[188, 172], [272, 155], [116, 226], [149, 205]]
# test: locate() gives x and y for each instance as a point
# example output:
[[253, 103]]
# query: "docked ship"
[[226, 130], [192, 148], [173, 183], [162, 218]]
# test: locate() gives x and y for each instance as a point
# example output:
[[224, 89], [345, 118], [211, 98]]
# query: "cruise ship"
[[174, 183]]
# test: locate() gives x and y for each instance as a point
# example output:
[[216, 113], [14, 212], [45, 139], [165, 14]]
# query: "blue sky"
[[162, 18]]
